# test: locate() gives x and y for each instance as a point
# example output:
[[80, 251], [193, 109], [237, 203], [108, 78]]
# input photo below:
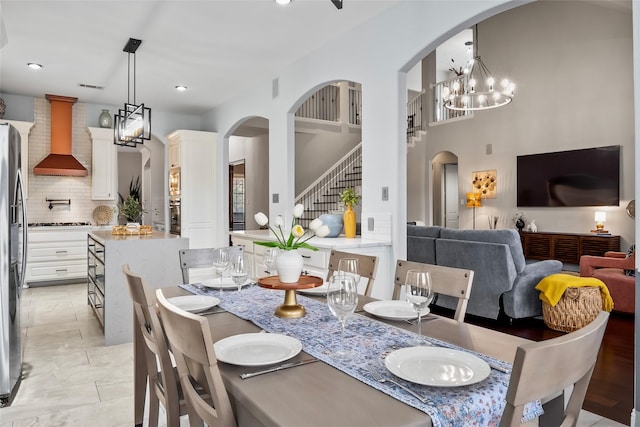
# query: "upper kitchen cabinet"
[[104, 169], [199, 197], [24, 129], [174, 154]]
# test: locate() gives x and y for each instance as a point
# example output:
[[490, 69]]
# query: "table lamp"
[[600, 218], [474, 200]]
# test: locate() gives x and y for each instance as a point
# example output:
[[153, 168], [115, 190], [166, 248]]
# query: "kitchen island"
[[153, 256], [317, 262]]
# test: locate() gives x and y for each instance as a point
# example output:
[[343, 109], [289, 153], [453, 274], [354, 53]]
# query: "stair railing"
[[322, 196], [440, 112]]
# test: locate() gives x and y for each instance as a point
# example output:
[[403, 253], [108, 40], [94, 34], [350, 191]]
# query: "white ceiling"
[[217, 48]]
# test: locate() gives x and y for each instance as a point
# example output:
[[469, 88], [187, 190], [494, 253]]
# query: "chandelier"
[[477, 89], [132, 124]]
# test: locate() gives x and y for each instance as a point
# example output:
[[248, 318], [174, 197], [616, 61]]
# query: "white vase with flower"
[[289, 262]]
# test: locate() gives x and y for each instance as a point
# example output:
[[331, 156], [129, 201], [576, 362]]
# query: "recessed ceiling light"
[[34, 66], [283, 1], [181, 88]]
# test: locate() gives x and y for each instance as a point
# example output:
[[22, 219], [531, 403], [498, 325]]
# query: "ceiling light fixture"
[[132, 124], [476, 88], [337, 3], [283, 1], [34, 66], [181, 88]]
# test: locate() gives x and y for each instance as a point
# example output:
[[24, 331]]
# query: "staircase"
[[323, 196]]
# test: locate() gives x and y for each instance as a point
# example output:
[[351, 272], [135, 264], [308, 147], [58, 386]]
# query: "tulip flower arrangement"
[[298, 236]]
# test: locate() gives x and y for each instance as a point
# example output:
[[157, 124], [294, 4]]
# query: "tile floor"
[[73, 379]]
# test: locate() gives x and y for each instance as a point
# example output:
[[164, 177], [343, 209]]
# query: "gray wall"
[[572, 63]]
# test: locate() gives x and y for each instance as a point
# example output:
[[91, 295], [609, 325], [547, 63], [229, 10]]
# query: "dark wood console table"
[[566, 247]]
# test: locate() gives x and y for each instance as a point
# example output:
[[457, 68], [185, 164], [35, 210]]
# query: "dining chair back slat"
[[194, 258], [163, 379], [543, 370], [190, 339], [450, 281], [367, 265]]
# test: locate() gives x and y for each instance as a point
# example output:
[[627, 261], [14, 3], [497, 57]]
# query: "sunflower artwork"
[[485, 182]]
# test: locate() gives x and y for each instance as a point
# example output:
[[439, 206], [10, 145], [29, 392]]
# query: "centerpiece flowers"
[[289, 262]]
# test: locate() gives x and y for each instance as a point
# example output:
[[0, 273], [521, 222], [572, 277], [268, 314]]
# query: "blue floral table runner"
[[369, 341]]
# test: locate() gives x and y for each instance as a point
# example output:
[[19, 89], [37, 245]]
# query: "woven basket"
[[577, 308]]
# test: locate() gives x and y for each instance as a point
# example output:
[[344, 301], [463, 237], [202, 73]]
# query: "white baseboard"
[[635, 418]]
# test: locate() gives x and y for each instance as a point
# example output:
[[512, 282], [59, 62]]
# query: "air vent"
[[88, 86]]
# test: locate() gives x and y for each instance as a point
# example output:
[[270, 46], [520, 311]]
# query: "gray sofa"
[[502, 277]]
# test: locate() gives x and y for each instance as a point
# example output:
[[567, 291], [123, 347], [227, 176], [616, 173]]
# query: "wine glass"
[[239, 270], [342, 298], [419, 293], [220, 262], [269, 258], [350, 267]]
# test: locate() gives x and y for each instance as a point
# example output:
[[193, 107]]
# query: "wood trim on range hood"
[[61, 161]]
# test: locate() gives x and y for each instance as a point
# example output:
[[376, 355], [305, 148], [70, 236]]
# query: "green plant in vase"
[[131, 209], [350, 198]]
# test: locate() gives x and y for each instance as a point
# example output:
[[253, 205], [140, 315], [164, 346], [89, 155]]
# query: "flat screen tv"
[[586, 177]]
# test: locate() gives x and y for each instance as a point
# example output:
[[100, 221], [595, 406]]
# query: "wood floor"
[[610, 392]]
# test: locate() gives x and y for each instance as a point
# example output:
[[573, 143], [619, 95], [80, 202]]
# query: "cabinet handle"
[[61, 270], [306, 256], [61, 252]]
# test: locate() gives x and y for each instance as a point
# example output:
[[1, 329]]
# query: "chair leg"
[[154, 408]]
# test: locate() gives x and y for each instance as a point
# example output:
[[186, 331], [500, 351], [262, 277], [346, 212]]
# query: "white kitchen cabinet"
[[24, 128], [200, 208], [57, 253], [174, 154], [316, 263], [104, 168]]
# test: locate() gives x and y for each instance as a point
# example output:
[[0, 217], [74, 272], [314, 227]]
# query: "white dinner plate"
[[437, 366], [227, 283], [320, 290], [256, 349], [194, 303], [393, 310]]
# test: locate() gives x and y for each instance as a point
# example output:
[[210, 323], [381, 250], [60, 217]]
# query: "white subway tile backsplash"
[[77, 189]]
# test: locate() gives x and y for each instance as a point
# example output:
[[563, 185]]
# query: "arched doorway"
[[444, 189]]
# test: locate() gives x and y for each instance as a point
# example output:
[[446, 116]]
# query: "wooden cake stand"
[[290, 309]]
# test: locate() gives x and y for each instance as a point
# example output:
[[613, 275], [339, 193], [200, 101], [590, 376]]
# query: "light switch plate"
[[369, 224], [275, 198], [385, 194]]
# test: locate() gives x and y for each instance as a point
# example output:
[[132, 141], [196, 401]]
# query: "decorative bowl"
[[334, 222]]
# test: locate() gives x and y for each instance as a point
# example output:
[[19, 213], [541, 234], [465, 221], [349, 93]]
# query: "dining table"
[[328, 394]]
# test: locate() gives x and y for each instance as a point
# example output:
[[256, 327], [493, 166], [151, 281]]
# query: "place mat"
[[370, 340]]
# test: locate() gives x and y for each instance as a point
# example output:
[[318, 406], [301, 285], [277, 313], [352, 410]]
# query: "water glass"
[[342, 298], [419, 293], [350, 267], [269, 259], [220, 262]]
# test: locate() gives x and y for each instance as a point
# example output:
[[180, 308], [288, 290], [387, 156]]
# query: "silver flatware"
[[381, 379], [212, 311], [498, 368], [424, 319], [277, 368]]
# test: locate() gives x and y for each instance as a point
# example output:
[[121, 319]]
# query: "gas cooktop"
[[59, 224]]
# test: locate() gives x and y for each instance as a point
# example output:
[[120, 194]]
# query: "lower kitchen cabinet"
[[56, 253]]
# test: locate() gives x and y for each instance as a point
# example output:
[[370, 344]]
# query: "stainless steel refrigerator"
[[13, 249]]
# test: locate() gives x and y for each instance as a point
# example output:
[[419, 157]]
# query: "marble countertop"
[[105, 235], [319, 242]]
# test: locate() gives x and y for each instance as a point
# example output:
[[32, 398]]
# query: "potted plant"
[[131, 209], [350, 198]]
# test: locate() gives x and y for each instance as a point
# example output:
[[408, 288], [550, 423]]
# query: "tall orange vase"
[[349, 222]]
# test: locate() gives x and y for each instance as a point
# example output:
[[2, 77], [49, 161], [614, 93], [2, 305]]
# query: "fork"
[[381, 379]]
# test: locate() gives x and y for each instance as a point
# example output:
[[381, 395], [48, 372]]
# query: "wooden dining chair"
[[367, 265], [192, 346], [163, 379], [544, 370], [450, 281]]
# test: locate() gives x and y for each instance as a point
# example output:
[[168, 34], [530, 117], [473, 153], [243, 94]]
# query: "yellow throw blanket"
[[552, 288]]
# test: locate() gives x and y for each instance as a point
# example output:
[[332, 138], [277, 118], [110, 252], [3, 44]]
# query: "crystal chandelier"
[[476, 89]]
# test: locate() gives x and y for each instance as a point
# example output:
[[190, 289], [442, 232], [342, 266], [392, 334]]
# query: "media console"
[[566, 247]]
